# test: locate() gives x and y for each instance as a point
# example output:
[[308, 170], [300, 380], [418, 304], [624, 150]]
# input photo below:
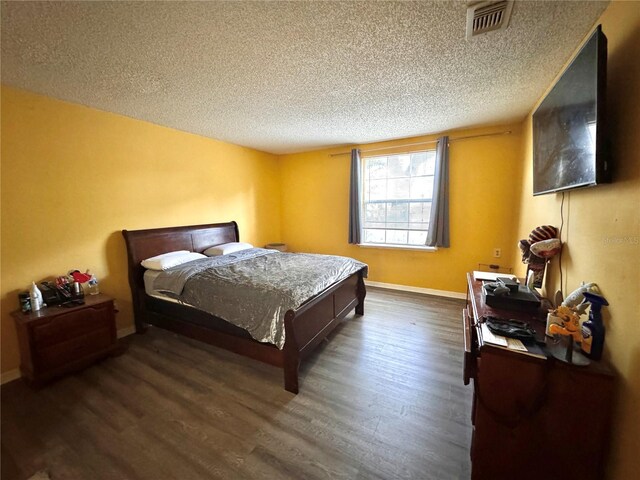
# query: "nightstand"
[[58, 340]]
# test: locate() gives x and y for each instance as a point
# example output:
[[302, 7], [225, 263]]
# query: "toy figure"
[[576, 298], [570, 329], [570, 323], [541, 245]]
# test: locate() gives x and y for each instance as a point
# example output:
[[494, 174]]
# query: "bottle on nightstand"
[[36, 297], [93, 285]]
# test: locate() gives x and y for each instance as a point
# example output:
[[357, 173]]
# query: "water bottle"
[[93, 285]]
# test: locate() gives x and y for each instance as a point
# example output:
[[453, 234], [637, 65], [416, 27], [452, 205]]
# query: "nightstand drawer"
[[63, 353], [73, 324]]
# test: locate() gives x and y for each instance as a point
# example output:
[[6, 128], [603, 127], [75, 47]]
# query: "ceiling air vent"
[[483, 17]]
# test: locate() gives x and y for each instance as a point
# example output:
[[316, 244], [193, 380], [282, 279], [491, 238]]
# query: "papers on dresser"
[[512, 344], [491, 276]]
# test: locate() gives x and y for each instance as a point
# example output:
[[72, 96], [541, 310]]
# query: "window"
[[396, 198]]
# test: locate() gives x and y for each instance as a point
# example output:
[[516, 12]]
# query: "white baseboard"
[[14, 374], [124, 332], [427, 291]]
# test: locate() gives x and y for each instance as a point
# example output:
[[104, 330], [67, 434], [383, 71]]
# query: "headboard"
[[143, 244]]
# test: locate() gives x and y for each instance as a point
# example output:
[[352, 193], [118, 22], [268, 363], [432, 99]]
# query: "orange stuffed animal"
[[570, 323]]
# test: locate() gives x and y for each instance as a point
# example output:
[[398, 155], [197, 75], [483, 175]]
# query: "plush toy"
[[542, 244], [570, 323], [576, 298], [546, 248]]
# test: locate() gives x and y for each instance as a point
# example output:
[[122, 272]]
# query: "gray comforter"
[[254, 288]]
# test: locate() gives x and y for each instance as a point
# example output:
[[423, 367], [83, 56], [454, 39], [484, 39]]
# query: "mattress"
[[253, 289], [149, 278]]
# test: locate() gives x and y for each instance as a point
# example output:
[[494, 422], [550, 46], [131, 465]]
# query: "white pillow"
[[226, 248], [170, 259]]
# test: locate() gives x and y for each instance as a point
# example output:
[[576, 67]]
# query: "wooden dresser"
[[533, 417], [57, 340]]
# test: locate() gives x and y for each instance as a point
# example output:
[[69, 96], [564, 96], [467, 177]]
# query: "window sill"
[[387, 246]]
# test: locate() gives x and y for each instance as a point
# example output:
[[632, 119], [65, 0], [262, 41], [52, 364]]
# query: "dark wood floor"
[[382, 399]]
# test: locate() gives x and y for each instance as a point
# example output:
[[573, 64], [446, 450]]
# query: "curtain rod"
[[505, 132]]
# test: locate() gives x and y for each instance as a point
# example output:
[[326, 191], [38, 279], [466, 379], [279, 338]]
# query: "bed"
[[305, 327]]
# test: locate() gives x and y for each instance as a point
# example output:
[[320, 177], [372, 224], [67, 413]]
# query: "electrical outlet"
[[497, 252]]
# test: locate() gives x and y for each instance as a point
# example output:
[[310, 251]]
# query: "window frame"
[[362, 205]]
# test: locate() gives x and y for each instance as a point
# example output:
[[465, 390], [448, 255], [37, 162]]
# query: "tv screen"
[[568, 126]]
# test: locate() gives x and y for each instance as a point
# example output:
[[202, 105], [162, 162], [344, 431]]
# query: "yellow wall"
[[602, 230], [73, 177], [483, 192]]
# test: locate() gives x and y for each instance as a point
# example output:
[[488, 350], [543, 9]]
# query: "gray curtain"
[[354, 198], [438, 235]]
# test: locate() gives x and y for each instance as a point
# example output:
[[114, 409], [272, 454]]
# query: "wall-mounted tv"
[[569, 140]]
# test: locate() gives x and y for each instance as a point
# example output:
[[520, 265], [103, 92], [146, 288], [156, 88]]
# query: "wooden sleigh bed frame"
[[305, 327]]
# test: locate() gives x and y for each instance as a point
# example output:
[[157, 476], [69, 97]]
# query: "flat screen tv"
[[569, 140]]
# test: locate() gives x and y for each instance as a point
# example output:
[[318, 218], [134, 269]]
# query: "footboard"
[[307, 326]]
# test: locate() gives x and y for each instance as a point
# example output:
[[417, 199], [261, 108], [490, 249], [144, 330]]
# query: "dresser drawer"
[[76, 323], [78, 348]]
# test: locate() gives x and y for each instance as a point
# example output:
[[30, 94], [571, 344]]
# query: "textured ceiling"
[[291, 76]]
